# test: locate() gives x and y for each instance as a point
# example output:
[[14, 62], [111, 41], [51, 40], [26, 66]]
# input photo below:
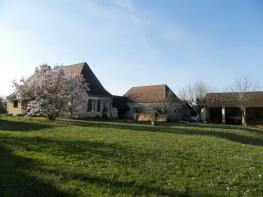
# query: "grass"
[[43, 158]]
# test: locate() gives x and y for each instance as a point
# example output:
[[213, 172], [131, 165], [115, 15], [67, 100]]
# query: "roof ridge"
[[149, 86], [149, 94], [81, 63]]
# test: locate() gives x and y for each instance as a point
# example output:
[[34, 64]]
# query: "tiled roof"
[[150, 94], [253, 99], [74, 68], [96, 88]]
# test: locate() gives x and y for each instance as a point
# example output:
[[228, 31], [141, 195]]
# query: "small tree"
[[240, 95], [194, 96], [51, 91]]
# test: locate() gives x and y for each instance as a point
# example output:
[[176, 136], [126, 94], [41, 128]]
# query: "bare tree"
[[168, 105], [171, 103], [194, 95], [241, 96]]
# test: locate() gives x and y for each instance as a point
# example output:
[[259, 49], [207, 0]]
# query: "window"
[[98, 106], [90, 105], [15, 104], [93, 105]]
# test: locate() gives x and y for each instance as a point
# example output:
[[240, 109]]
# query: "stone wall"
[[143, 117], [179, 112], [105, 103]]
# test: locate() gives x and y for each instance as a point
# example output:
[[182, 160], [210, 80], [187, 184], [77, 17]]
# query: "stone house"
[[99, 103], [154, 99], [222, 108]]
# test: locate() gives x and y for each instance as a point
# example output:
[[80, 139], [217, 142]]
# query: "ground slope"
[[43, 158]]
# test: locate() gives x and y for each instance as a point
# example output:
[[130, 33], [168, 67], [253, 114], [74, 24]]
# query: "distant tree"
[[194, 96], [240, 95], [2, 105], [51, 91]]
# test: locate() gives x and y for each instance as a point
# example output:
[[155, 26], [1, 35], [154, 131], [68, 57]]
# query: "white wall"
[[105, 102]]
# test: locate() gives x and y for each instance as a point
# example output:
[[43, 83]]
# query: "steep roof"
[[96, 88], [150, 94], [254, 99], [12, 96], [74, 68]]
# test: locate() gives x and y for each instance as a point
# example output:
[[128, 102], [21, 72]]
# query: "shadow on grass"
[[191, 129], [15, 182], [228, 127], [29, 186], [129, 187], [6, 125], [58, 147]]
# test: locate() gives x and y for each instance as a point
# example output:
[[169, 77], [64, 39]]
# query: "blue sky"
[[134, 42]]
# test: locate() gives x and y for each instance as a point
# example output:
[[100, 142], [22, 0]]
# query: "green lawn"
[[43, 158]]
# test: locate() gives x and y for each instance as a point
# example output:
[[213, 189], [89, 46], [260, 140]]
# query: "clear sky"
[[134, 42]]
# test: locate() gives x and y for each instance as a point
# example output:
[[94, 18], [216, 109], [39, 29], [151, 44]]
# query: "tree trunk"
[[244, 117], [198, 116]]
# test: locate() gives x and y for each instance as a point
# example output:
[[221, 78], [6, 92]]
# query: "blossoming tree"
[[51, 91]]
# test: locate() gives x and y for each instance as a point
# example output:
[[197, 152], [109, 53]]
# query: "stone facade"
[[95, 107], [14, 107], [157, 99]]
